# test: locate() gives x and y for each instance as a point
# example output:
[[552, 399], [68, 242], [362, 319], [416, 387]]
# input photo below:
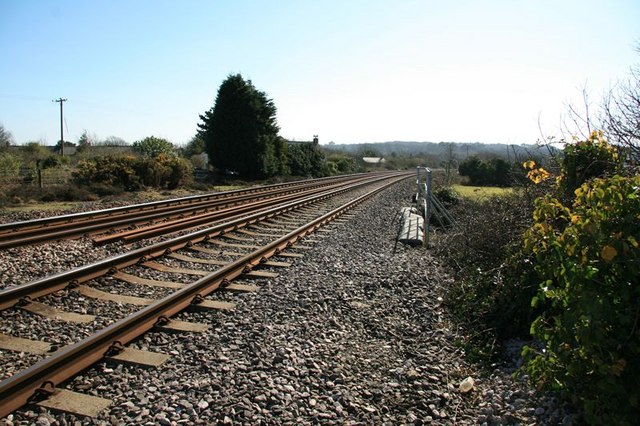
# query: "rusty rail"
[[5, 227], [169, 227], [18, 234], [68, 361], [11, 296]]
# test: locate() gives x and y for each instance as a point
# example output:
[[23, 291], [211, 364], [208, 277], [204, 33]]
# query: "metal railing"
[[423, 197], [428, 204]]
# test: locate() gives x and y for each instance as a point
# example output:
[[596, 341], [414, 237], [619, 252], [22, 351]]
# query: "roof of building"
[[373, 160]]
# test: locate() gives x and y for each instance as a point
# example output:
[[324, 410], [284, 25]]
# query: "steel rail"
[[143, 215], [54, 233], [12, 226], [11, 296], [169, 227], [16, 391], [72, 229]]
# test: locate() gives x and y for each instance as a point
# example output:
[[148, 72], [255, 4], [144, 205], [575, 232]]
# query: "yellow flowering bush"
[[587, 259], [535, 174], [584, 160]]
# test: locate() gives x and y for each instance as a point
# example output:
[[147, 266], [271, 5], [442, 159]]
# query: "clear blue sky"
[[348, 70]]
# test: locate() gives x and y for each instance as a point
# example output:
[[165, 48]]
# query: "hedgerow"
[[491, 295], [133, 173], [587, 260], [116, 171], [570, 275]]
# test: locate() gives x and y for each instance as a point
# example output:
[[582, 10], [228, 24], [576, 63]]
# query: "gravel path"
[[353, 333]]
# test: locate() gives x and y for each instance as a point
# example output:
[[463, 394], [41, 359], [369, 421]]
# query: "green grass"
[[223, 188], [43, 206], [480, 192]]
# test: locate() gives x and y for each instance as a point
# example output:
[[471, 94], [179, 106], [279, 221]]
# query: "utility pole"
[[61, 101]]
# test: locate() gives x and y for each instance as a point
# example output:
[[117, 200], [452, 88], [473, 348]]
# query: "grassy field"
[[126, 198], [43, 206], [480, 192], [222, 188]]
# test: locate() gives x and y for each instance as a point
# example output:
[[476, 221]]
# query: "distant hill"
[[440, 150]]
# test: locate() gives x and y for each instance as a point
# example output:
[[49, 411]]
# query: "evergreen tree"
[[493, 172], [84, 142], [194, 147], [152, 146], [240, 131], [307, 160]]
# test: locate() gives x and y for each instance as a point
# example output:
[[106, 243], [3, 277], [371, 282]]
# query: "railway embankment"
[[354, 332]]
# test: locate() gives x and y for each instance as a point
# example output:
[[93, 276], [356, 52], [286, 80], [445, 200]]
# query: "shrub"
[[577, 263], [24, 193], [103, 190], [151, 172], [181, 173], [153, 147], [306, 160], [339, 163], [493, 172], [53, 161], [584, 160], [165, 171], [9, 164], [108, 170], [131, 173], [489, 293], [447, 196], [588, 265], [65, 193]]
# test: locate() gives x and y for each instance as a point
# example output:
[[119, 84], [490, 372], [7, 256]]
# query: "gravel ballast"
[[353, 333]]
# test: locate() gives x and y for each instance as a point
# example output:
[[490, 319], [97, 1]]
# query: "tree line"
[[239, 134]]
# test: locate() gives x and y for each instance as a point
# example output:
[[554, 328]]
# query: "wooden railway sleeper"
[[166, 206], [10, 296], [67, 361]]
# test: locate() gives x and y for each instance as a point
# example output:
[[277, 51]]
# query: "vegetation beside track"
[[558, 260], [479, 193], [48, 205]]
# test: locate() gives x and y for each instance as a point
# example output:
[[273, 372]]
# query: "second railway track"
[[163, 278], [195, 209]]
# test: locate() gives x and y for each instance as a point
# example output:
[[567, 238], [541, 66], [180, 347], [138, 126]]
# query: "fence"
[[32, 176]]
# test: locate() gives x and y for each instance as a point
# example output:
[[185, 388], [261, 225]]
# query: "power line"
[[61, 101]]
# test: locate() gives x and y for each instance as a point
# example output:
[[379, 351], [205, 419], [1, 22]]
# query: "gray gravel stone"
[[353, 333]]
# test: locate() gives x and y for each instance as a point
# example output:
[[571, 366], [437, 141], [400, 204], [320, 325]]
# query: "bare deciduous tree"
[[621, 115], [6, 138], [618, 116], [578, 121]]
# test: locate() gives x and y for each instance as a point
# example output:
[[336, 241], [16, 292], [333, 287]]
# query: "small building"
[[374, 160]]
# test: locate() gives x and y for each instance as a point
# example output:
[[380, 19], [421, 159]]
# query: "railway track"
[[180, 273], [199, 209]]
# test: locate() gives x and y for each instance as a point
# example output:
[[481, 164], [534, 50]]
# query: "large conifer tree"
[[240, 131]]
